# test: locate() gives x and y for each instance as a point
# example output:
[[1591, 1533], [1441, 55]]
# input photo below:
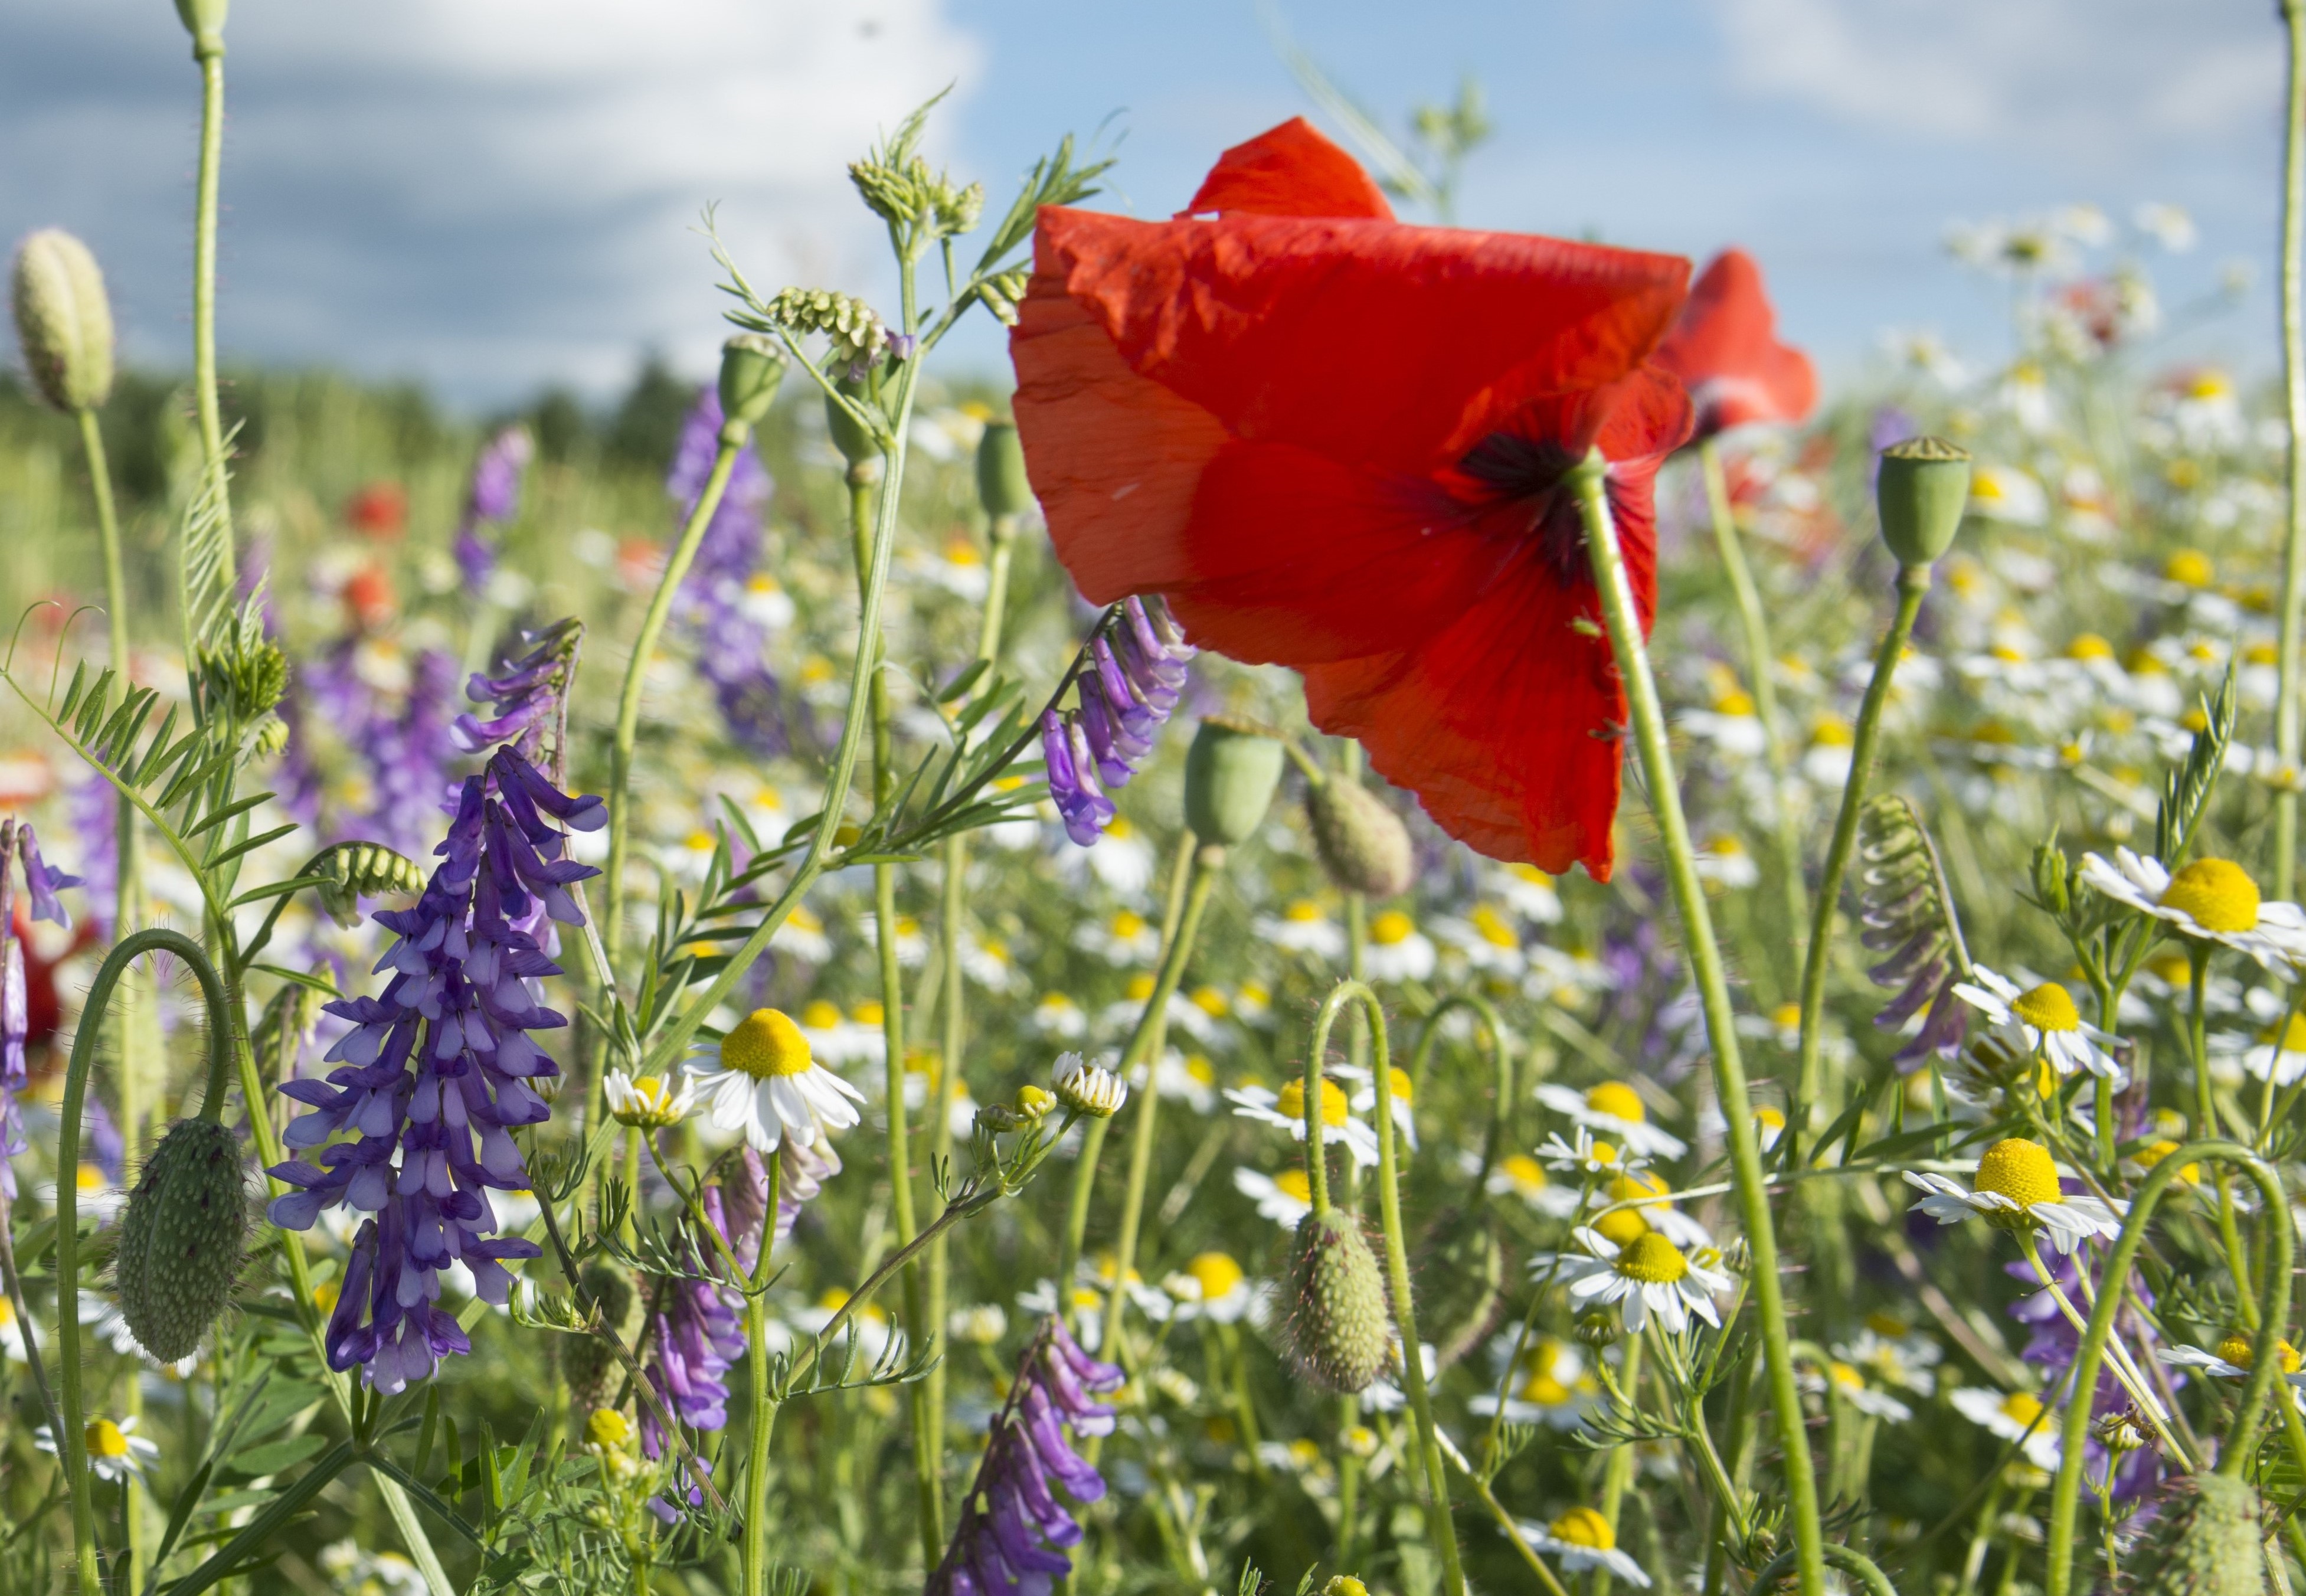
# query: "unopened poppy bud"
[[586, 1361], [63, 321], [204, 20], [1230, 774], [1001, 484], [1924, 484], [2204, 1541], [181, 1239], [752, 365], [1338, 1326], [858, 446], [1361, 844]]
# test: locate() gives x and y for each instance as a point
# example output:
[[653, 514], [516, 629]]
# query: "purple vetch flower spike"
[[1072, 779], [1006, 1539], [525, 698], [493, 499], [1129, 685], [43, 880], [435, 1075], [42, 883], [715, 601]]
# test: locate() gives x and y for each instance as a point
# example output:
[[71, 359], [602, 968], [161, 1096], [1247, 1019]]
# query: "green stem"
[[209, 51], [1846, 1558], [1751, 1186], [754, 1551], [2236, 1452], [2293, 378], [74, 1439], [1619, 1471], [2206, 1112], [1913, 584], [1753, 621]]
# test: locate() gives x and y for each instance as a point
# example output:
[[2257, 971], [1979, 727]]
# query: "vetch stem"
[[1752, 1189]]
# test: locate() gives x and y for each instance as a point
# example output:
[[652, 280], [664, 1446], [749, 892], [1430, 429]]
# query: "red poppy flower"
[[1337, 442], [379, 510], [368, 600], [1725, 350]]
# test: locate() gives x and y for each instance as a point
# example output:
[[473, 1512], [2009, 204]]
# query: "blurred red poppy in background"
[[379, 510], [368, 600], [1337, 442], [1725, 350]]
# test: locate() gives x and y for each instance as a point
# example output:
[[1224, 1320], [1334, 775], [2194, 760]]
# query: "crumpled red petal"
[[1290, 170], [1725, 350]]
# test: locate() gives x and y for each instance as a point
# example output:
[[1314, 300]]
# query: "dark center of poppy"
[[1532, 472]]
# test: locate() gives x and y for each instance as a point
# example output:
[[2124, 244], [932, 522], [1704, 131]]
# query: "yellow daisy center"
[[1617, 1100], [2089, 646], [1831, 733], [821, 1016], [1530, 874], [2217, 894], [1210, 1002], [1217, 1274], [2239, 1350], [89, 1177], [1654, 1261], [2048, 1007], [1391, 928], [2153, 1152], [1141, 987], [1544, 1389], [2021, 1407], [2020, 1170], [1622, 1227], [1199, 1068], [1601, 1152], [868, 1012], [2190, 567], [766, 1043], [1770, 1119], [1492, 929], [1303, 912], [1523, 1170], [2291, 1034], [1735, 701], [1295, 1183], [1334, 1107], [1397, 1081], [104, 1439], [1582, 1526], [1128, 925], [1844, 1376]]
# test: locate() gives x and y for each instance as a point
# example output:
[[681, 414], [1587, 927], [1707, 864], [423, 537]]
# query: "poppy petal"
[[1726, 350], [1290, 170]]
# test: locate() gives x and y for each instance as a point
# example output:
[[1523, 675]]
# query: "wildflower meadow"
[[1397, 914]]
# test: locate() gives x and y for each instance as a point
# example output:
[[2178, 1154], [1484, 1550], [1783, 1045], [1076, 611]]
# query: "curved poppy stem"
[[1443, 1530], [1849, 1559], [2241, 1441], [72, 1446], [1913, 586], [1501, 1111], [1587, 479]]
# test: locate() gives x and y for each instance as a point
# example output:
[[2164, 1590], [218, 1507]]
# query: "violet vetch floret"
[[732, 639], [1128, 688], [42, 883]]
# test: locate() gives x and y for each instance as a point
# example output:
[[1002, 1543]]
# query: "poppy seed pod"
[[752, 365], [204, 20], [585, 1360], [1361, 844], [2203, 1542], [1002, 487], [1923, 486], [181, 1239], [63, 321], [1338, 1325], [1230, 774], [857, 446]]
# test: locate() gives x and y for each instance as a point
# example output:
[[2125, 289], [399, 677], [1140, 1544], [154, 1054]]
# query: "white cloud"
[[483, 192], [2098, 79]]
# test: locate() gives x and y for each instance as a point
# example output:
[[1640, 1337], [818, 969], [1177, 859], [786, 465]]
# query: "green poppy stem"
[[1588, 481], [208, 50], [2293, 381]]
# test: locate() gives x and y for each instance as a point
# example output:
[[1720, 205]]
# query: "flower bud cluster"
[[856, 329], [906, 191]]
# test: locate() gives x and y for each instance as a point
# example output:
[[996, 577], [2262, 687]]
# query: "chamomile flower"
[[114, 1449], [1587, 1155], [987, 962], [1582, 1539], [1615, 1109], [1551, 1387], [1846, 1382], [1303, 928], [649, 1102], [2018, 1416], [912, 942], [1364, 1098], [1724, 861], [766, 1082], [802, 937], [1285, 1199], [1486, 939], [766, 604], [2045, 1018], [1212, 1286], [1661, 1217], [1287, 1109], [1892, 1352], [98, 1196], [1384, 1394], [837, 1040], [1057, 1015], [877, 1337], [1647, 1277], [1122, 938], [1397, 950], [1517, 1175], [2232, 1358], [12, 1334], [1527, 891], [2209, 901], [1189, 1076], [2279, 1054], [1122, 859], [2017, 1188]]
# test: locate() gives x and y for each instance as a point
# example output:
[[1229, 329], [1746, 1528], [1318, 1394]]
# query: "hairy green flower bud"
[[244, 680], [752, 365], [204, 20], [857, 446], [856, 332], [1338, 1325], [358, 870], [1002, 487], [180, 1237], [1001, 292], [587, 1360], [1923, 486], [1361, 844], [1230, 774], [2203, 1542], [63, 321]]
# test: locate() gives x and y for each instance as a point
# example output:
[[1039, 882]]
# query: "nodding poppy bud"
[[2205, 1540], [586, 1360], [1361, 844], [1002, 487], [181, 1239], [63, 321], [752, 365], [1230, 774], [858, 446], [1924, 485], [1338, 1326], [204, 20]]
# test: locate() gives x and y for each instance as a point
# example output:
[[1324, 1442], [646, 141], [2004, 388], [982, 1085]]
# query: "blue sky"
[[489, 195]]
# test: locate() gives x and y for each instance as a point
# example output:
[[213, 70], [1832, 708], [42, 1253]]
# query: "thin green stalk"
[[2237, 1451], [2293, 381], [208, 49], [754, 1549], [2206, 1112], [1144, 1046], [1753, 621], [74, 1439], [1752, 1187], [1913, 584], [1619, 1471]]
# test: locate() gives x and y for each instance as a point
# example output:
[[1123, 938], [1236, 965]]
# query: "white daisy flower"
[[2017, 1416], [1181, 1013], [766, 604], [1212, 1286], [1187, 1076], [1724, 861], [1731, 725], [1122, 859], [1385, 1395], [12, 1334], [1303, 928], [2233, 1358], [2210, 899], [1287, 1110], [838, 1040], [1847, 1382], [767, 1082], [2017, 1188], [912, 942], [1486, 938], [1551, 1387], [875, 1336], [1057, 1015], [1893, 1353], [1564, 976], [802, 936], [1517, 1175], [1252, 1004], [1527, 891], [2045, 1017], [1587, 1155], [987, 961], [1649, 1276], [115, 1450], [1089, 1308], [1285, 1199], [1126, 937], [1660, 1216], [97, 1195], [1397, 951], [2278, 1055], [1582, 1539], [1615, 1109], [648, 1102], [1364, 1099]]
